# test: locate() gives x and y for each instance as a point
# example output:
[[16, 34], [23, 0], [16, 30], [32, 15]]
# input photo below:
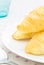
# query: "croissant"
[[32, 23], [18, 35], [36, 45]]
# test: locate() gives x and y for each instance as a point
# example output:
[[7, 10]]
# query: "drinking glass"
[[4, 8]]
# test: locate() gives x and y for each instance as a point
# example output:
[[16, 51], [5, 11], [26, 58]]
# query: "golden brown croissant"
[[18, 35], [33, 23], [36, 45]]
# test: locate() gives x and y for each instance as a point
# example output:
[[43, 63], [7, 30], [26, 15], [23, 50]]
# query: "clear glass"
[[4, 8]]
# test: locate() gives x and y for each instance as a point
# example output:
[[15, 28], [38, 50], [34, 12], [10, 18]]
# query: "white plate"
[[17, 46], [19, 9]]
